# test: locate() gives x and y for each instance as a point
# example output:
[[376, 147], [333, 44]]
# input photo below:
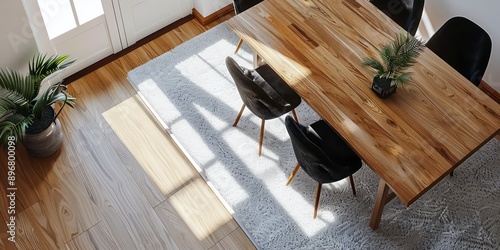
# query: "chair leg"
[[239, 115], [293, 174], [261, 135], [316, 202], [351, 180], [451, 173], [239, 45], [295, 115]]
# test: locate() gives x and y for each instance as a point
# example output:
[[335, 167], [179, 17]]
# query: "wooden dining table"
[[412, 139]]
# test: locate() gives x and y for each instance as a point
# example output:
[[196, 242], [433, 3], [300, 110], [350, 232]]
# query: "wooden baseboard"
[[491, 92], [205, 20]]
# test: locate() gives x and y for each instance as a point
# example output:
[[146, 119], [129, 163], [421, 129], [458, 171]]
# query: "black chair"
[[263, 92], [240, 6], [464, 46], [322, 154], [406, 13]]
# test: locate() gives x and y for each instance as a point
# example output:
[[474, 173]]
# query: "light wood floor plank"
[[96, 238], [26, 179], [141, 130], [34, 231], [132, 60], [2, 246], [120, 201], [90, 91], [65, 210], [195, 216], [236, 240], [4, 236]]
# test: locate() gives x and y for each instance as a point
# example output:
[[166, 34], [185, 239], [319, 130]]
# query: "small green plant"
[[397, 56], [21, 104]]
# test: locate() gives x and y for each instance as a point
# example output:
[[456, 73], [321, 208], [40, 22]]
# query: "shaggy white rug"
[[192, 92]]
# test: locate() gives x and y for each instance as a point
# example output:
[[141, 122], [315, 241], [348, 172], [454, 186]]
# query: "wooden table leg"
[[257, 60], [380, 201]]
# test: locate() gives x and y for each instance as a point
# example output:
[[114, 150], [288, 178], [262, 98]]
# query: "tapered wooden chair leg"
[[239, 115], [238, 46], [295, 115], [293, 174], [261, 135], [316, 202], [351, 180]]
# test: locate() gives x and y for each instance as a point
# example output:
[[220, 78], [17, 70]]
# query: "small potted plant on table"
[[395, 58], [26, 112]]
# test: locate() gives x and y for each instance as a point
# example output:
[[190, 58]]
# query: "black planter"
[[382, 87]]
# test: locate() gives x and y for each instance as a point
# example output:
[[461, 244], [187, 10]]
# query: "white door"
[[79, 28], [90, 30], [143, 17]]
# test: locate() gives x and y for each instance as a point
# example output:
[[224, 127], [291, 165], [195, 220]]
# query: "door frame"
[[45, 44]]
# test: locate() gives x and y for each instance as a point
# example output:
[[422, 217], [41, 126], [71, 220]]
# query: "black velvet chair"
[[240, 6], [322, 154], [406, 13], [463, 45], [263, 92]]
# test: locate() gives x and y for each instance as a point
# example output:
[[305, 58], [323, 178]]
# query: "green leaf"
[[41, 67], [397, 56], [373, 63], [14, 125], [53, 95], [403, 78], [7, 107], [16, 84]]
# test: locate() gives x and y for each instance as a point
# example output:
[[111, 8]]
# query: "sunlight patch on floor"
[[199, 209], [150, 145]]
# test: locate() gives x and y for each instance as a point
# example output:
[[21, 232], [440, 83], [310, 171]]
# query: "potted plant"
[[396, 57], [26, 111]]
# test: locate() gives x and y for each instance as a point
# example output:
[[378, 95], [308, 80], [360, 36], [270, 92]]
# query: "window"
[[61, 16]]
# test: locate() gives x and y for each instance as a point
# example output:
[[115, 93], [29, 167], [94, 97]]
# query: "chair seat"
[[464, 45], [272, 86], [278, 85], [335, 148], [322, 154], [242, 5], [333, 145], [406, 13], [263, 92]]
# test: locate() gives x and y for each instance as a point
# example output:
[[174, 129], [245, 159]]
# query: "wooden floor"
[[119, 182]]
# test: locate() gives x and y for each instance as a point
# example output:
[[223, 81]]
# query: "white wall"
[[17, 45], [483, 12], [207, 7]]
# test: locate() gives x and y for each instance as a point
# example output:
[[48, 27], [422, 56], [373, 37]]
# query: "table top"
[[412, 139]]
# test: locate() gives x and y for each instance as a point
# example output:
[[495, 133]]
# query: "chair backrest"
[[252, 89], [242, 5], [463, 45], [406, 13], [312, 159]]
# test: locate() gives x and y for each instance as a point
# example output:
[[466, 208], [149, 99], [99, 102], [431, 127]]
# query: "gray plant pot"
[[46, 142]]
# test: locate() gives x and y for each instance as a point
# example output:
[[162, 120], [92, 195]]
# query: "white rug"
[[192, 92]]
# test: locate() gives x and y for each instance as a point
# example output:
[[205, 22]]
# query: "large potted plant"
[[26, 108], [395, 58]]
